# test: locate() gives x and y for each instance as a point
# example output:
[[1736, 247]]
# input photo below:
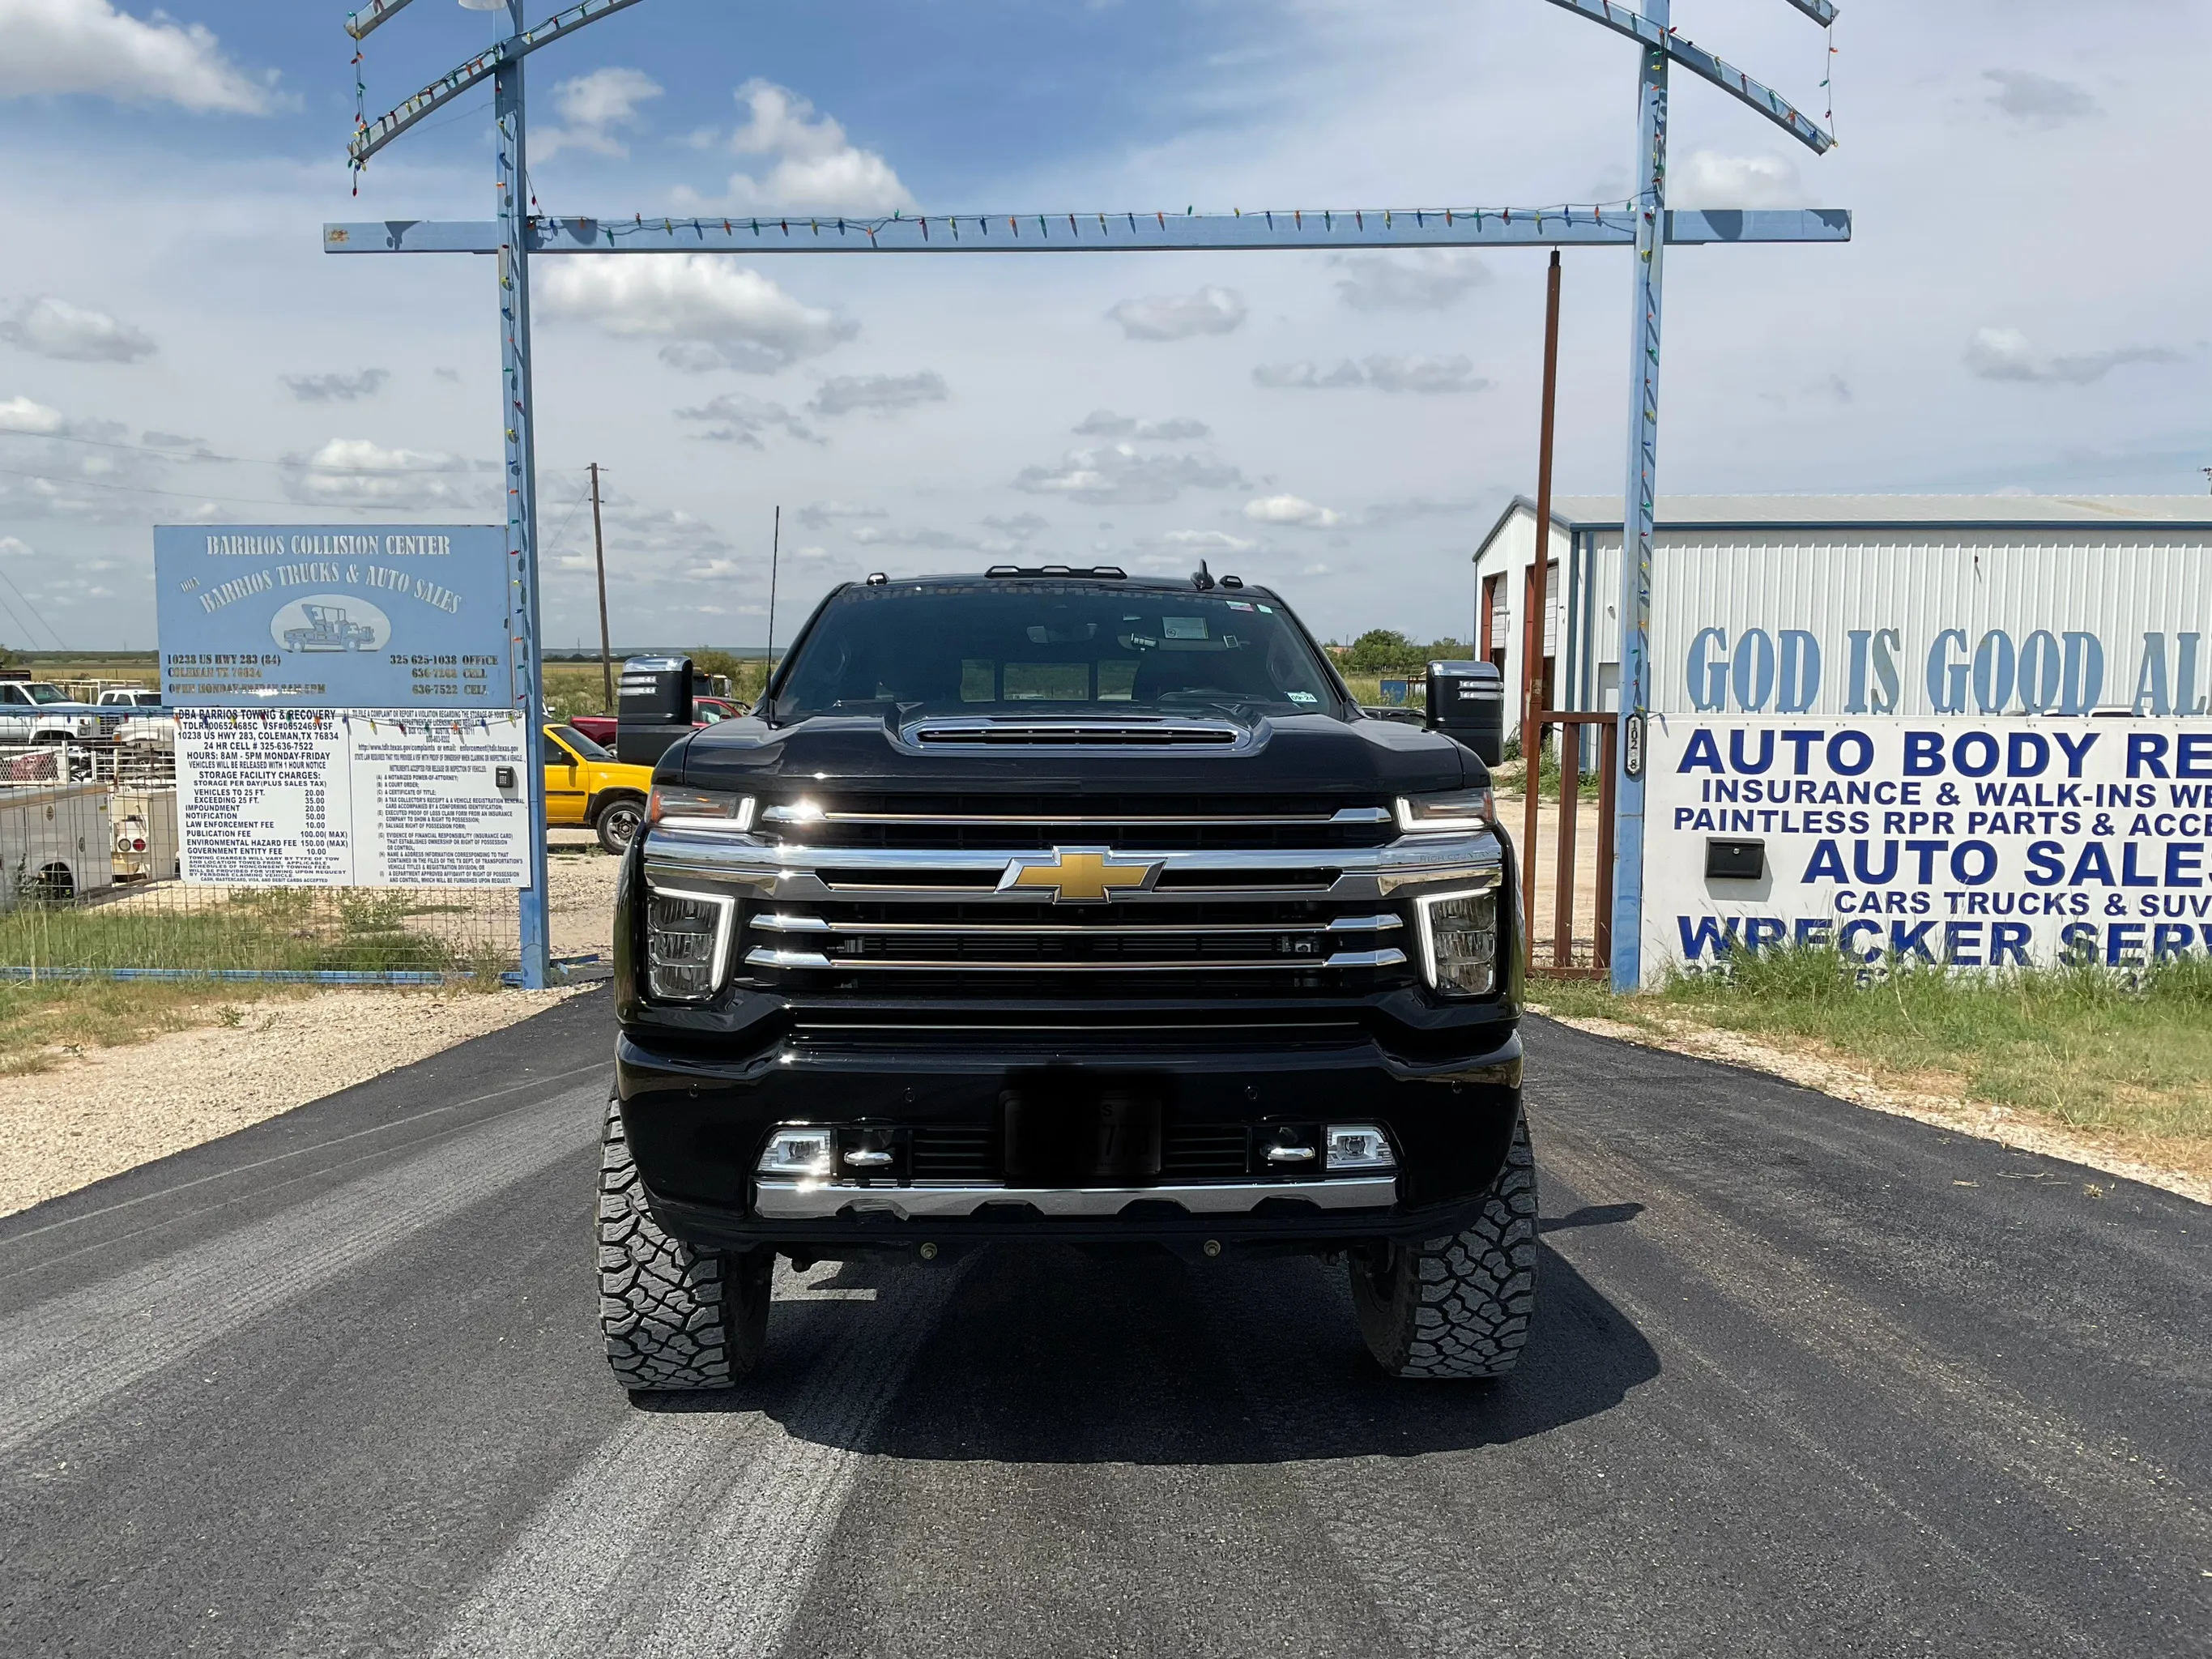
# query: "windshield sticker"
[[1303, 697], [1239, 604], [1266, 609], [1183, 627]]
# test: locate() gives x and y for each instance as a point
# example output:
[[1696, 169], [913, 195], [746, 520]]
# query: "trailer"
[[145, 822], [55, 842]]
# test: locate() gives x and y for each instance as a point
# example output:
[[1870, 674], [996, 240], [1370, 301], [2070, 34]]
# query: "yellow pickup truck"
[[586, 785]]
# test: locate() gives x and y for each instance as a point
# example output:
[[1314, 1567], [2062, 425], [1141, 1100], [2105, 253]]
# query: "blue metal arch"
[[1626, 20]]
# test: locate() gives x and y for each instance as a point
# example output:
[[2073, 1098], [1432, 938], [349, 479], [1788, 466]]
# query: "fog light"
[[797, 1153], [1459, 941], [687, 943], [1359, 1146]]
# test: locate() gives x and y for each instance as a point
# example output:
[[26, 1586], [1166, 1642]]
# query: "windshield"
[[1039, 648], [577, 741], [42, 693]]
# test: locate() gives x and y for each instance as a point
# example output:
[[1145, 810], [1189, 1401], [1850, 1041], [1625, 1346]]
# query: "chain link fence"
[[90, 885]]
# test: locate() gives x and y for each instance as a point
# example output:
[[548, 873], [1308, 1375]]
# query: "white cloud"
[[335, 388], [1207, 541], [360, 472], [15, 547], [594, 107], [880, 394], [1425, 374], [20, 414], [818, 515], [1292, 510], [1022, 527], [1181, 316], [1427, 279], [743, 419], [102, 481], [1711, 180], [812, 165], [2004, 354], [943, 540], [1105, 423], [49, 47], [1306, 377], [50, 328], [1120, 475], [2038, 99], [714, 313]]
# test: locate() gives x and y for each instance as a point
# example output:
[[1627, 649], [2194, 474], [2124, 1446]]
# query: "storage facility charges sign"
[[1973, 842], [333, 617], [352, 797]]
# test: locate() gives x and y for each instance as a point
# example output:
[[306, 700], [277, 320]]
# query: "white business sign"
[[1973, 842], [324, 798]]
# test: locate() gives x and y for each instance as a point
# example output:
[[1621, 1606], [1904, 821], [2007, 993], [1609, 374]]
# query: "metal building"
[[1881, 605]]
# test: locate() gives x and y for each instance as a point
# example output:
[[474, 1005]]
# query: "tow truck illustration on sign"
[[330, 621]]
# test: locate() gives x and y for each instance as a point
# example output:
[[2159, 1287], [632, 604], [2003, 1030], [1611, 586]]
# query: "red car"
[[600, 728]]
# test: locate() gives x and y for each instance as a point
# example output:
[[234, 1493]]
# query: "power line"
[[33, 610]]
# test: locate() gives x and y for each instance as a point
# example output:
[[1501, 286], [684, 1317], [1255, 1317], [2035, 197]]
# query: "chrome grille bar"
[[780, 922], [775, 956]]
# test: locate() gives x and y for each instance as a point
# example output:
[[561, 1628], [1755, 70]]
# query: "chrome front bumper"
[[817, 1200]]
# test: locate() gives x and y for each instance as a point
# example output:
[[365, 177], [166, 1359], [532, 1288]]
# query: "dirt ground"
[[98, 1112]]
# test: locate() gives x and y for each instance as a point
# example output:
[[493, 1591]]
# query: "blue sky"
[[2022, 307]]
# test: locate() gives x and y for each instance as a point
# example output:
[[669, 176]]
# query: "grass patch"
[[276, 929], [2121, 1055], [41, 1023]]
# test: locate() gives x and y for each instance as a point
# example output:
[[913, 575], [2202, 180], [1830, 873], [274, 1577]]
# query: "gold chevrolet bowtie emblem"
[[1080, 875]]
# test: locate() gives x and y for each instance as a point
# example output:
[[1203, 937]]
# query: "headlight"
[[1458, 811], [687, 943], [699, 809], [804, 1152], [1459, 941]]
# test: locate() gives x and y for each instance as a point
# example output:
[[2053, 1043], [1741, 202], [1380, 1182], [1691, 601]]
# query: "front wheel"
[[1460, 1306], [674, 1316], [618, 823]]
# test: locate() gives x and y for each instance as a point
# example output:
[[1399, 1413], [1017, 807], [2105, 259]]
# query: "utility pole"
[[1535, 605], [599, 558], [775, 553]]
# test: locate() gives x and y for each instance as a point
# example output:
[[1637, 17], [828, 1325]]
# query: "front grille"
[[1300, 944], [944, 1025], [1190, 1151], [1136, 823], [1199, 1151], [954, 1152]]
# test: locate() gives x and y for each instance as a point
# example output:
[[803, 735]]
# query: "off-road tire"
[[1460, 1306], [674, 1316], [617, 822]]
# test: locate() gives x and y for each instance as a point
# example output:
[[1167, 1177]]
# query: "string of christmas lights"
[[1046, 226]]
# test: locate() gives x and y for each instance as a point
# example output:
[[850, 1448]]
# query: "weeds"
[[2125, 1053]]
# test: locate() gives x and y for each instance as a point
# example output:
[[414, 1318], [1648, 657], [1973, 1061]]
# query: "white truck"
[[31, 711]]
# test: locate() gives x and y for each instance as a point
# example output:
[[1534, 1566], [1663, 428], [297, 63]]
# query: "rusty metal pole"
[[599, 558], [1533, 607]]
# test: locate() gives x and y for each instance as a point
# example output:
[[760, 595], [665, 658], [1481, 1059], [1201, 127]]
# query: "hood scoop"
[[972, 736]]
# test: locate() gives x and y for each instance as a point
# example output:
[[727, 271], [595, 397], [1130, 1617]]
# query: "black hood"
[[1293, 755]]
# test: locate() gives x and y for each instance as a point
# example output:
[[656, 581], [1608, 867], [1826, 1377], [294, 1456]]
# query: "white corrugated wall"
[[2116, 584]]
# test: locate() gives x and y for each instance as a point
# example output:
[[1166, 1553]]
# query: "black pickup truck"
[[1050, 904]]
